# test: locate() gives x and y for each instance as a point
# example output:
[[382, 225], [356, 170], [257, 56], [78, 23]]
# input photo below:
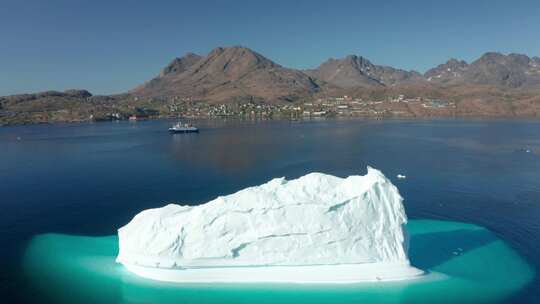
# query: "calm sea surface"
[[90, 179]]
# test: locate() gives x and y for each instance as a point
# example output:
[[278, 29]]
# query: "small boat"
[[183, 128], [400, 176]]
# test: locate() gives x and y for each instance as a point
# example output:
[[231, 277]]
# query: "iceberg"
[[318, 228]]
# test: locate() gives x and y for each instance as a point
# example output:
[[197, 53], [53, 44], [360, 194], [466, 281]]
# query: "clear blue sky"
[[111, 46]]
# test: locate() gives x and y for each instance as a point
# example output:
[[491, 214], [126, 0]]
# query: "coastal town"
[[97, 108], [339, 106]]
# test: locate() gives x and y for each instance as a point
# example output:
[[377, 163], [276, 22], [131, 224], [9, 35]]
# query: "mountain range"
[[493, 85], [238, 72]]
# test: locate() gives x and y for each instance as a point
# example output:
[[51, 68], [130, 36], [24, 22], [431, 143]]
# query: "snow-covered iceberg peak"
[[315, 220]]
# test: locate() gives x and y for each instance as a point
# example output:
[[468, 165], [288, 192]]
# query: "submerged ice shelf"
[[315, 229], [486, 270]]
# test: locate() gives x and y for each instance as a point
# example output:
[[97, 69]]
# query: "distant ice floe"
[[524, 150], [315, 229]]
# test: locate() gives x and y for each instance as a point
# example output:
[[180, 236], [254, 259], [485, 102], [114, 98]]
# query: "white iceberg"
[[315, 229]]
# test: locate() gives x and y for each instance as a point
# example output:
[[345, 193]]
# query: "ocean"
[[65, 181]]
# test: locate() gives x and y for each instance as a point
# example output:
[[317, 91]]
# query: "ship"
[[183, 128]]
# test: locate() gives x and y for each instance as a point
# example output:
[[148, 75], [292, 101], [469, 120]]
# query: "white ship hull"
[[184, 130]]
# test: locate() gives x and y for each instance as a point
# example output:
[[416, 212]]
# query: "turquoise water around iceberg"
[[89, 179], [465, 264]]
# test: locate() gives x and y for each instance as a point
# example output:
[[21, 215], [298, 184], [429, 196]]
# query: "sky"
[[111, 46]]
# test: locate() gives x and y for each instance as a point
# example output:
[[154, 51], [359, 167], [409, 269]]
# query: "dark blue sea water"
[[90, 179]]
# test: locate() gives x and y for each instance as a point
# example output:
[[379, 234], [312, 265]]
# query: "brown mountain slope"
[[496, 69], [447, 72], [230, 73], [356, 71], [180, 65], [235, 72]]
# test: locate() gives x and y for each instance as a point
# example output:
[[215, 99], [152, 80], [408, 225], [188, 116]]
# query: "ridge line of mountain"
[[228, 72], [494, 84]]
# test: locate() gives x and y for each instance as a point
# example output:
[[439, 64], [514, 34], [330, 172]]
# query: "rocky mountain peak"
[[456, 62], [180, 64], [357, 71], [234, 52], [491, 56], [232, 72], [447, 72], [501, 59], [232, 63], [513, 70], [78, 93], [358, 61]]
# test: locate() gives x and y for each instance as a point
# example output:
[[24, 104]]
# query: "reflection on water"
[[240, 148], [465, 264]]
